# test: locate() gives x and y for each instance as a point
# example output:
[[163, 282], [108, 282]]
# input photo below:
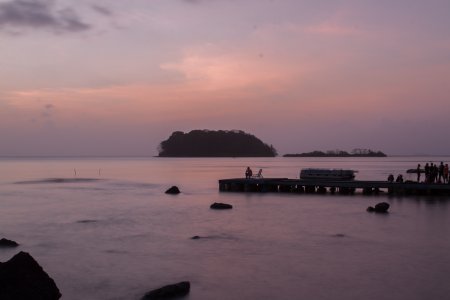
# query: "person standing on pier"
[[418, 173], [446, 173], [432, 175], [435, 172], [441, 172], [427, 173]]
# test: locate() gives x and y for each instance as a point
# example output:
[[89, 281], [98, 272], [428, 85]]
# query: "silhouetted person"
[[390, 178], [427, 173], [399, 178], [418, 173], [446, 173], [441, 172], [248, 173], [434, 173]]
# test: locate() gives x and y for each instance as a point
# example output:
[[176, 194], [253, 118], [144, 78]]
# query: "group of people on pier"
[[398, 179], [434, 173], [249, 174]]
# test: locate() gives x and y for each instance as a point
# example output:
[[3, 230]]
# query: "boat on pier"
[[327, 174]]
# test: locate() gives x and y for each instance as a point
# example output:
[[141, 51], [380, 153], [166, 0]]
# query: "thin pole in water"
[[75, 172]]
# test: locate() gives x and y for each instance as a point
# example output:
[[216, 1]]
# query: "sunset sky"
[[109, 77]]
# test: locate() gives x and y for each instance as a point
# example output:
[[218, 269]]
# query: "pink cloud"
[[332, 29]]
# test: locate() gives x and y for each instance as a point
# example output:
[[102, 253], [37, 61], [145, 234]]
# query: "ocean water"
[[104, 229]]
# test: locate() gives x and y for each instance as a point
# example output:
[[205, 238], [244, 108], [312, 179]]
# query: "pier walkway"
[[285, 185]]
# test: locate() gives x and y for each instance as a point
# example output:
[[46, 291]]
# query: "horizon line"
[[149, 156]]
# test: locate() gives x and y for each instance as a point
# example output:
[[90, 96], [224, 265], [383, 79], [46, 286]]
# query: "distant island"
[[340, 153], [210, 143]]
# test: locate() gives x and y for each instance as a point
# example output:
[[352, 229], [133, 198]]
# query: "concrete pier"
[[298, 186]]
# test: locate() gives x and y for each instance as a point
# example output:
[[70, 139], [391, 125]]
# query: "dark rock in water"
[[169, 291], [7, 243], [381, 207], [195, 237], [173, 190], [217, 205], [339, 235], [22, 277]]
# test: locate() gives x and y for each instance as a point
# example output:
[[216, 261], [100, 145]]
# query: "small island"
[[210, 143], [340, 153]]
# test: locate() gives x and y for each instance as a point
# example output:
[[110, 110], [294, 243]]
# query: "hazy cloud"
[[195, 1], [39, 14], [47, 110], [102, 10]]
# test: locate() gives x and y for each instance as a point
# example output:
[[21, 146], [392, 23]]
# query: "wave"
[[87, 221], [57, 180]]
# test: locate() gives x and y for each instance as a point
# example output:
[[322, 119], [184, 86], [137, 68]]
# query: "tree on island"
[[358, 152], [210, 143]]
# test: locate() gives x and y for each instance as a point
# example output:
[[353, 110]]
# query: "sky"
[[112, 78]]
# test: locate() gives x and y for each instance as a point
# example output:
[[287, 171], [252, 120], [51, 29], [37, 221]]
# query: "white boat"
[[327, 174]]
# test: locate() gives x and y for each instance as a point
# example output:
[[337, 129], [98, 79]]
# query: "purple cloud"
[[102, 10], [39, 14]]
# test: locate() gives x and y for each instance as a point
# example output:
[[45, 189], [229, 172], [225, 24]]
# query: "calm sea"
[[119, 236]]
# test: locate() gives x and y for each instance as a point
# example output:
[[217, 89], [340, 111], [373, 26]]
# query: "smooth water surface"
[[104, 229]]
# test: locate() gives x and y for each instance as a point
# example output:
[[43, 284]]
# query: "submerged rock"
[[8, 243], [339, 235], [218, 205], [22, 277], [381, 207], [171, 291], [195, 237], [173, 190]]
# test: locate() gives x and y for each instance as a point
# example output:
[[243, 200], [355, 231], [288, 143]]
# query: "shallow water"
[[110, 232]]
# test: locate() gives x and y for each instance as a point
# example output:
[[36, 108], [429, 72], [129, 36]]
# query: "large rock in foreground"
[[169, 291], [22, 277]]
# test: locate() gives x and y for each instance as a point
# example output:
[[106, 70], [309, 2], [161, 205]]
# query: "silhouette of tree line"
[[210, 143], [358, 152]]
